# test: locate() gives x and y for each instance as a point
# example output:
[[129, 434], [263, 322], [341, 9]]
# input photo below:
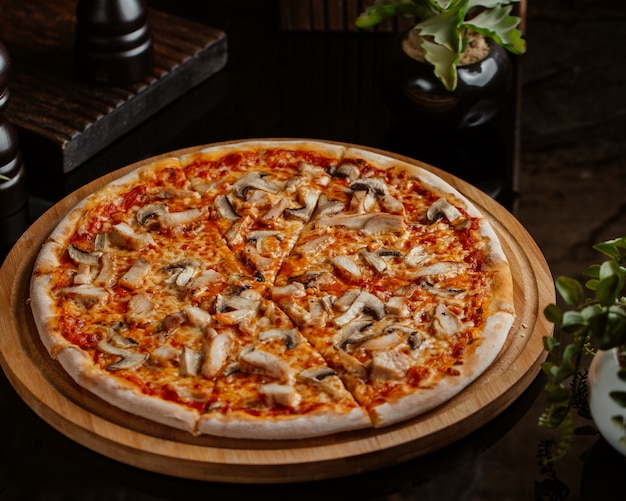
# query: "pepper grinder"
[[14, 217], [113, 44]]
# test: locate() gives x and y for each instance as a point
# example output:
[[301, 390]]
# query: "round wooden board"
[[81, 416]]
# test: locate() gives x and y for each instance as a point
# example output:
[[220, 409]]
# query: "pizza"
[[273, 289]]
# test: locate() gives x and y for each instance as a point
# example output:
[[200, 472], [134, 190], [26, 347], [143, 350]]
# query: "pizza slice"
[[270, 382], [261, 211]]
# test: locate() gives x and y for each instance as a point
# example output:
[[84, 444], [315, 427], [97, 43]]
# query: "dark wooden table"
[[315, 84]]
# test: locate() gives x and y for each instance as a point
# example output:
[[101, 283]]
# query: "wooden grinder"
[[113, 44]]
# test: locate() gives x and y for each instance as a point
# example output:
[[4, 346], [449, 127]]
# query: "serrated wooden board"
[[63, 120], [81, 416]]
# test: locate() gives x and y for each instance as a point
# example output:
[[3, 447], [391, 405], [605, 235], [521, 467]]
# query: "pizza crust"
[[123, 395], [239, 424]]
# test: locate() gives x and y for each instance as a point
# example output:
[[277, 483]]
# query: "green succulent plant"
[[444, 26], [588, 321]]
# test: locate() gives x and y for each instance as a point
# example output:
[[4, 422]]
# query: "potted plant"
[[592, 323], [455, 53]]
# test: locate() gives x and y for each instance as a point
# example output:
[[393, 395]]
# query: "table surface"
[[318, 85]]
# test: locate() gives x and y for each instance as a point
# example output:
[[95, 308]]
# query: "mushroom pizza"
[[274, 290]]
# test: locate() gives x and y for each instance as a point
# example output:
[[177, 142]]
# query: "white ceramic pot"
[[603, 380]]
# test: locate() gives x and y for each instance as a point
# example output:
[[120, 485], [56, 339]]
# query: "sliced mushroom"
[[373, 184], [348, 171], [355, 332], [446, 292], [150, 215], [314, 279], [189, 362], [127, 359], [362, 201], [122, 341], [289, 336], [157, 215], [413, 337], [415, 340], [178, 265], [365, 302], [256, 181], [317, 373], [442, 208], [323, 377], [304, 213], [181, 272], [225, 208], [227, 302], [136, 274], [259, 361], [326, 206], [185, 275], [80, 256], [258, 237]]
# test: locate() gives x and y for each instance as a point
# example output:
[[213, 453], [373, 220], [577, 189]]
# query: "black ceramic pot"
[[413, 90]]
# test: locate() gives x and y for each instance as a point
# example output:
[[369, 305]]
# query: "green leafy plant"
[[594, 318], [444, 26]]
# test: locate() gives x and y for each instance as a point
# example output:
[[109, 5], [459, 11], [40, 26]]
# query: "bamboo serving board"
[[84, 418]]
